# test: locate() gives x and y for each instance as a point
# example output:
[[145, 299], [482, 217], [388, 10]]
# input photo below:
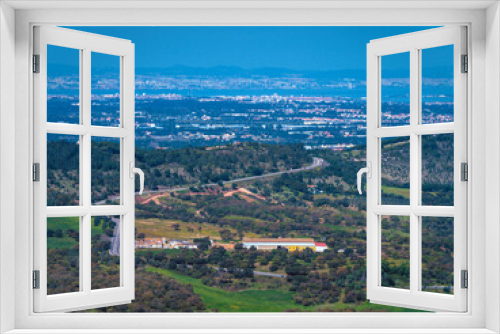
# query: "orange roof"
[[278, 240], [320, 244], [225, 246]]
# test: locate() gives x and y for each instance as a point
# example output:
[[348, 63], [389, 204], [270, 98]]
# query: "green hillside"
[[321, 203]]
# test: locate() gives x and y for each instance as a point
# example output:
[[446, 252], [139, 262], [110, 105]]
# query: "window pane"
[[105, 252], [63, 85], [395, 167], [63, 257], [105, 170], [437, 84], [437, 254], [63, 170], [396, 252], [437, 169], [105, 89], [395, 99]]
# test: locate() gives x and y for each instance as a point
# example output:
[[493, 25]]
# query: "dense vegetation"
[[164, 168], [321, 203]]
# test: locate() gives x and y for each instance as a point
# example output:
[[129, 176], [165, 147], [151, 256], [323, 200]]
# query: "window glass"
[[105, 89], [395, 266], [437, 84], [106, 252], [106, 182], [63, 170], [63, 255], [438, 169], [395, 92], [63, 85], [395, 167], [437, 254]]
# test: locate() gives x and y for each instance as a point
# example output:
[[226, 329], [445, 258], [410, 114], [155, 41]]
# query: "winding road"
[[317, 162]]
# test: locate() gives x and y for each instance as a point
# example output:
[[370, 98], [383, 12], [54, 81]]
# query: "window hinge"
[[465, 279], [36, 63], [36, 172], [36, 279], [465, 64], [464, 171]]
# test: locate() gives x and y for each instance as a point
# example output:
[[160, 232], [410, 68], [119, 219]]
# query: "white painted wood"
[[7, 167], [258, 331], [127, 198], [442, 322], [85, 186], [98, 131], [492, 186], [415, 168], [86, 298], [246, 4], [419, 129], [413, 43], [422, 211]]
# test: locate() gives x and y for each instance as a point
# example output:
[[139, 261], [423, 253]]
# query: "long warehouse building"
[[292, 244]]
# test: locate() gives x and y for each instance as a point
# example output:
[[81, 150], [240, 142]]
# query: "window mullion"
[[81, 239], [414, 169], [85, 248]]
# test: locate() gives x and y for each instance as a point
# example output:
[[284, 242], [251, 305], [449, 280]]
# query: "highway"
[[263, 273], [317, 162], [258, 273]]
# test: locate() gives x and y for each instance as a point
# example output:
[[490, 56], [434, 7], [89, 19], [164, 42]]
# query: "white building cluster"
[[163, 243]]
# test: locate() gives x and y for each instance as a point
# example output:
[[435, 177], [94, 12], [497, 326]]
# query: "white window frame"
[[414, 43], [483, 125], [85, 44]]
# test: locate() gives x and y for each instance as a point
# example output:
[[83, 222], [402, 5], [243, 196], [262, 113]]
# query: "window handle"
[[368, 171], [133, 171]]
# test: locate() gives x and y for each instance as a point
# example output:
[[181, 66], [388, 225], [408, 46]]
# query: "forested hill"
[[165, 168], [186, 167], [339, 177], [202, 165]]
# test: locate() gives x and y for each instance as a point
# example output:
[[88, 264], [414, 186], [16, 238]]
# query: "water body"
[[394, 94]]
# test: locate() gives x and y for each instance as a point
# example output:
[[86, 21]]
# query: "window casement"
[[418, 212], [481, 102], [85, 208]]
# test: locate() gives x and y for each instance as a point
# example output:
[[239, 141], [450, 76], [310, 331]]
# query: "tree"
[[226, 234], [203, 243]]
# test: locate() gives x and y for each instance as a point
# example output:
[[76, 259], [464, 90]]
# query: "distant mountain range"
[[234, 71], [238, 72]]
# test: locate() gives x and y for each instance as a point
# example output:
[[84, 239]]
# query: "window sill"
[[252, 331]]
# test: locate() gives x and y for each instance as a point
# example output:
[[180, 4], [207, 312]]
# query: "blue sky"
[[297, 48]]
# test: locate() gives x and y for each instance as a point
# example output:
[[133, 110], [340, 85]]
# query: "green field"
[[157, 228], [403, 192], [261, 300], [64, 224], [241, 301]]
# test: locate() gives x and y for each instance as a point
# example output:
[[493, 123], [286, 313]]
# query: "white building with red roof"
[[320, 247]]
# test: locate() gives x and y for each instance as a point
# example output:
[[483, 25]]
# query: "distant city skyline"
[[295, 48]]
